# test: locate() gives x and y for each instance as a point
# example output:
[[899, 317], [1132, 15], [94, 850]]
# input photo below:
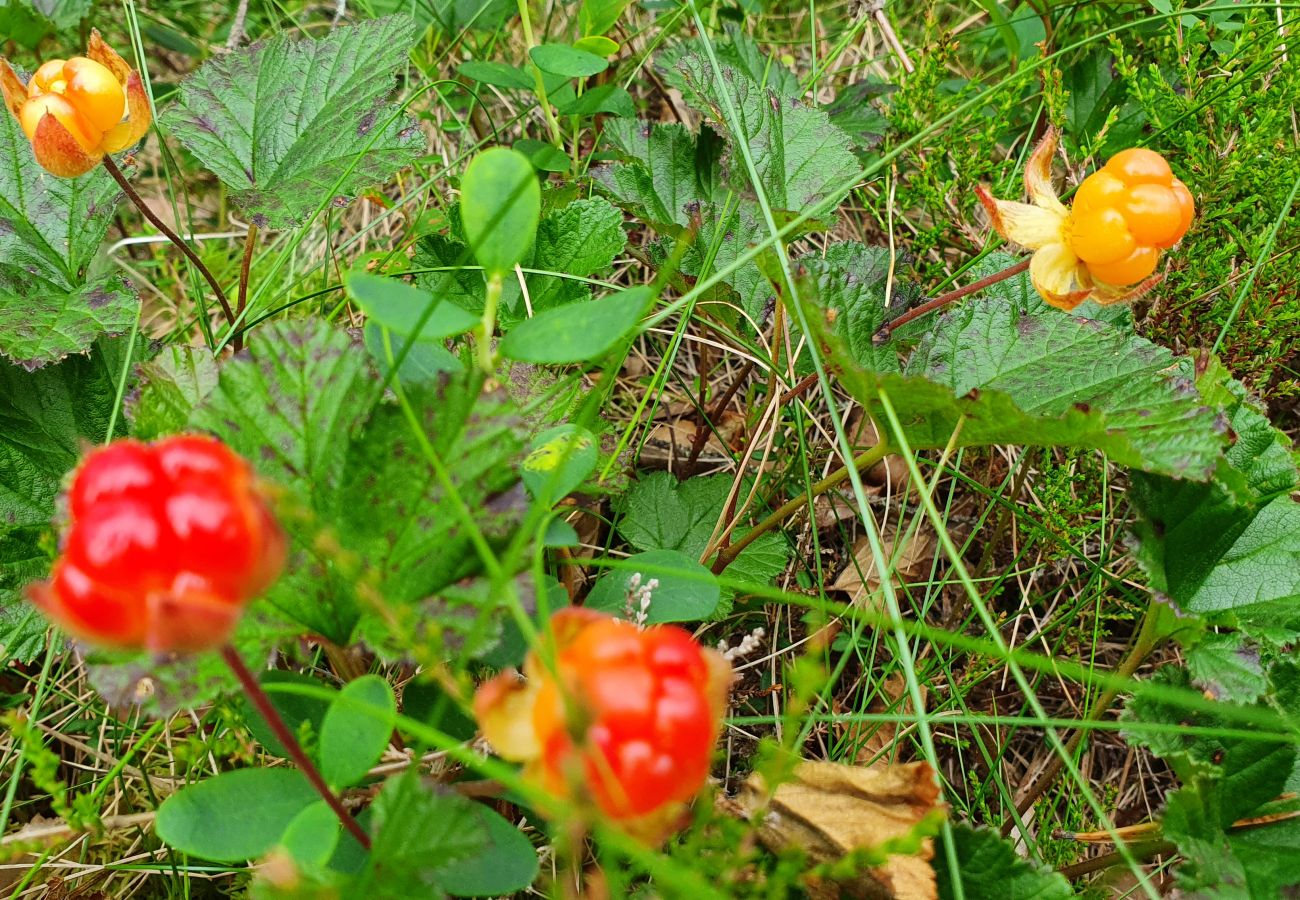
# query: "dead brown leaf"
[[829, 810], [875, 740], [910, 561]]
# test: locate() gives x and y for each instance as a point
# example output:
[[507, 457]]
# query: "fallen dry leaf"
[[829, 810], [910, 561], [875, 740]]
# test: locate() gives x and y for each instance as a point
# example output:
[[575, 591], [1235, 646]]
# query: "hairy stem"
[[944, 299], [170, 235], [258, 698]]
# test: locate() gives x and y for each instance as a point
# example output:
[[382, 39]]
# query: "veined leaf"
[[992, 374], [800, 157], [667, 175], [989, 869], [284, 123], [51, 303]]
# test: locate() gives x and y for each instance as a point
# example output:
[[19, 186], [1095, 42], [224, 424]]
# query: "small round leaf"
[[234, 816], [356, 730], [561, 59]]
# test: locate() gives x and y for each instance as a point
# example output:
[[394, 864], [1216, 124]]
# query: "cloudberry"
[[627, 720], [164, 545]]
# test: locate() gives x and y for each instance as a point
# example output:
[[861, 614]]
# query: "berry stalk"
[[258, 698]]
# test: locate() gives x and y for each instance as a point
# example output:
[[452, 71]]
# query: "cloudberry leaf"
[[686, 591], [419, 831], [22, 628], [451, 17], [742, 53], [990, 869], [285, 123], [666, 173], [53, 302], [981, 377], [801, 159], [289, 407], [169, 387]]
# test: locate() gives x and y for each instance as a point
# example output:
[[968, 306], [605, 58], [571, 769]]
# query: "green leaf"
[[313, 835], [450, 17], [604, 98], [989, 869], [233, 816], [978, 379], [458, 282], [395, 512], [289, 407], [578, 332], [426, 361], [658, 513], [169, 387], [44, 418], [401, 307], [577, 240], [558, 461], [22, 628], [685, 592], [667, 174], [1226, 669], [28, 22], [419, 832], [302, 715], [597, 45], [599, 16], [851, 280], [356, 730], [561, 59], [507, 865], [52, 301], [801, 159], [543, 156], [286, 123], [740, 52], [497, 74], [500, 203], [1226, 550]]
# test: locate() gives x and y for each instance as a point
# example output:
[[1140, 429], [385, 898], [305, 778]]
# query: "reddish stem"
[[944, 299], [257, 696]]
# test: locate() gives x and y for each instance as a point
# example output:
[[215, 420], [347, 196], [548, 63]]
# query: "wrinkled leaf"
[[284, 123]]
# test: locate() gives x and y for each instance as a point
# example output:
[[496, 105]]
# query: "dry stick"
[[170, 235], [864, 460], [705, 428], [258, 698], [1077, 870], [945, 299], [250, 241]]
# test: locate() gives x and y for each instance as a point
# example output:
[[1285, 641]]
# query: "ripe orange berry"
[[64, 112], [1101, 235], [94, 91], [165, 544], [1138, 165], [1100, 189], [1186, 209], [1130, 270], [1153, 213]]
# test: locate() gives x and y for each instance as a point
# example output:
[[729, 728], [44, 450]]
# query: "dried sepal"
[[58, 152], [15, 92]]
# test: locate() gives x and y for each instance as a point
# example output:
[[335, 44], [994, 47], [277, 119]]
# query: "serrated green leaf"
[[558, 461], [681, 590], [28, 22], [169, 387], [667, 174], [579, 239], [980, 376], [453, 282], [507, 864], [990, 869], [233, 816], [742, 53], [22, 628], [658, 513], [51, 304], [356, 730], [500, 204], [577, 332], [851, 280], [395, 511], [450, 17], [419, 832], [289, 407], [1227, 669], [284, 123], [801, 159]]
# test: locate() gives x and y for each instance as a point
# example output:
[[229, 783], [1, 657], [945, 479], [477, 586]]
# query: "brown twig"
[[257, 696], [170, 235], [944, 299], [703, 430], [250, 242]]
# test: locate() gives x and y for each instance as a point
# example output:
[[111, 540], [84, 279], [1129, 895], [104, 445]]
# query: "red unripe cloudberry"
[[165, 544]]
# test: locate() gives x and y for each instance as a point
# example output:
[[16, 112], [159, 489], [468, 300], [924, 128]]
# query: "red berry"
[[166, 543], [633, 716]]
